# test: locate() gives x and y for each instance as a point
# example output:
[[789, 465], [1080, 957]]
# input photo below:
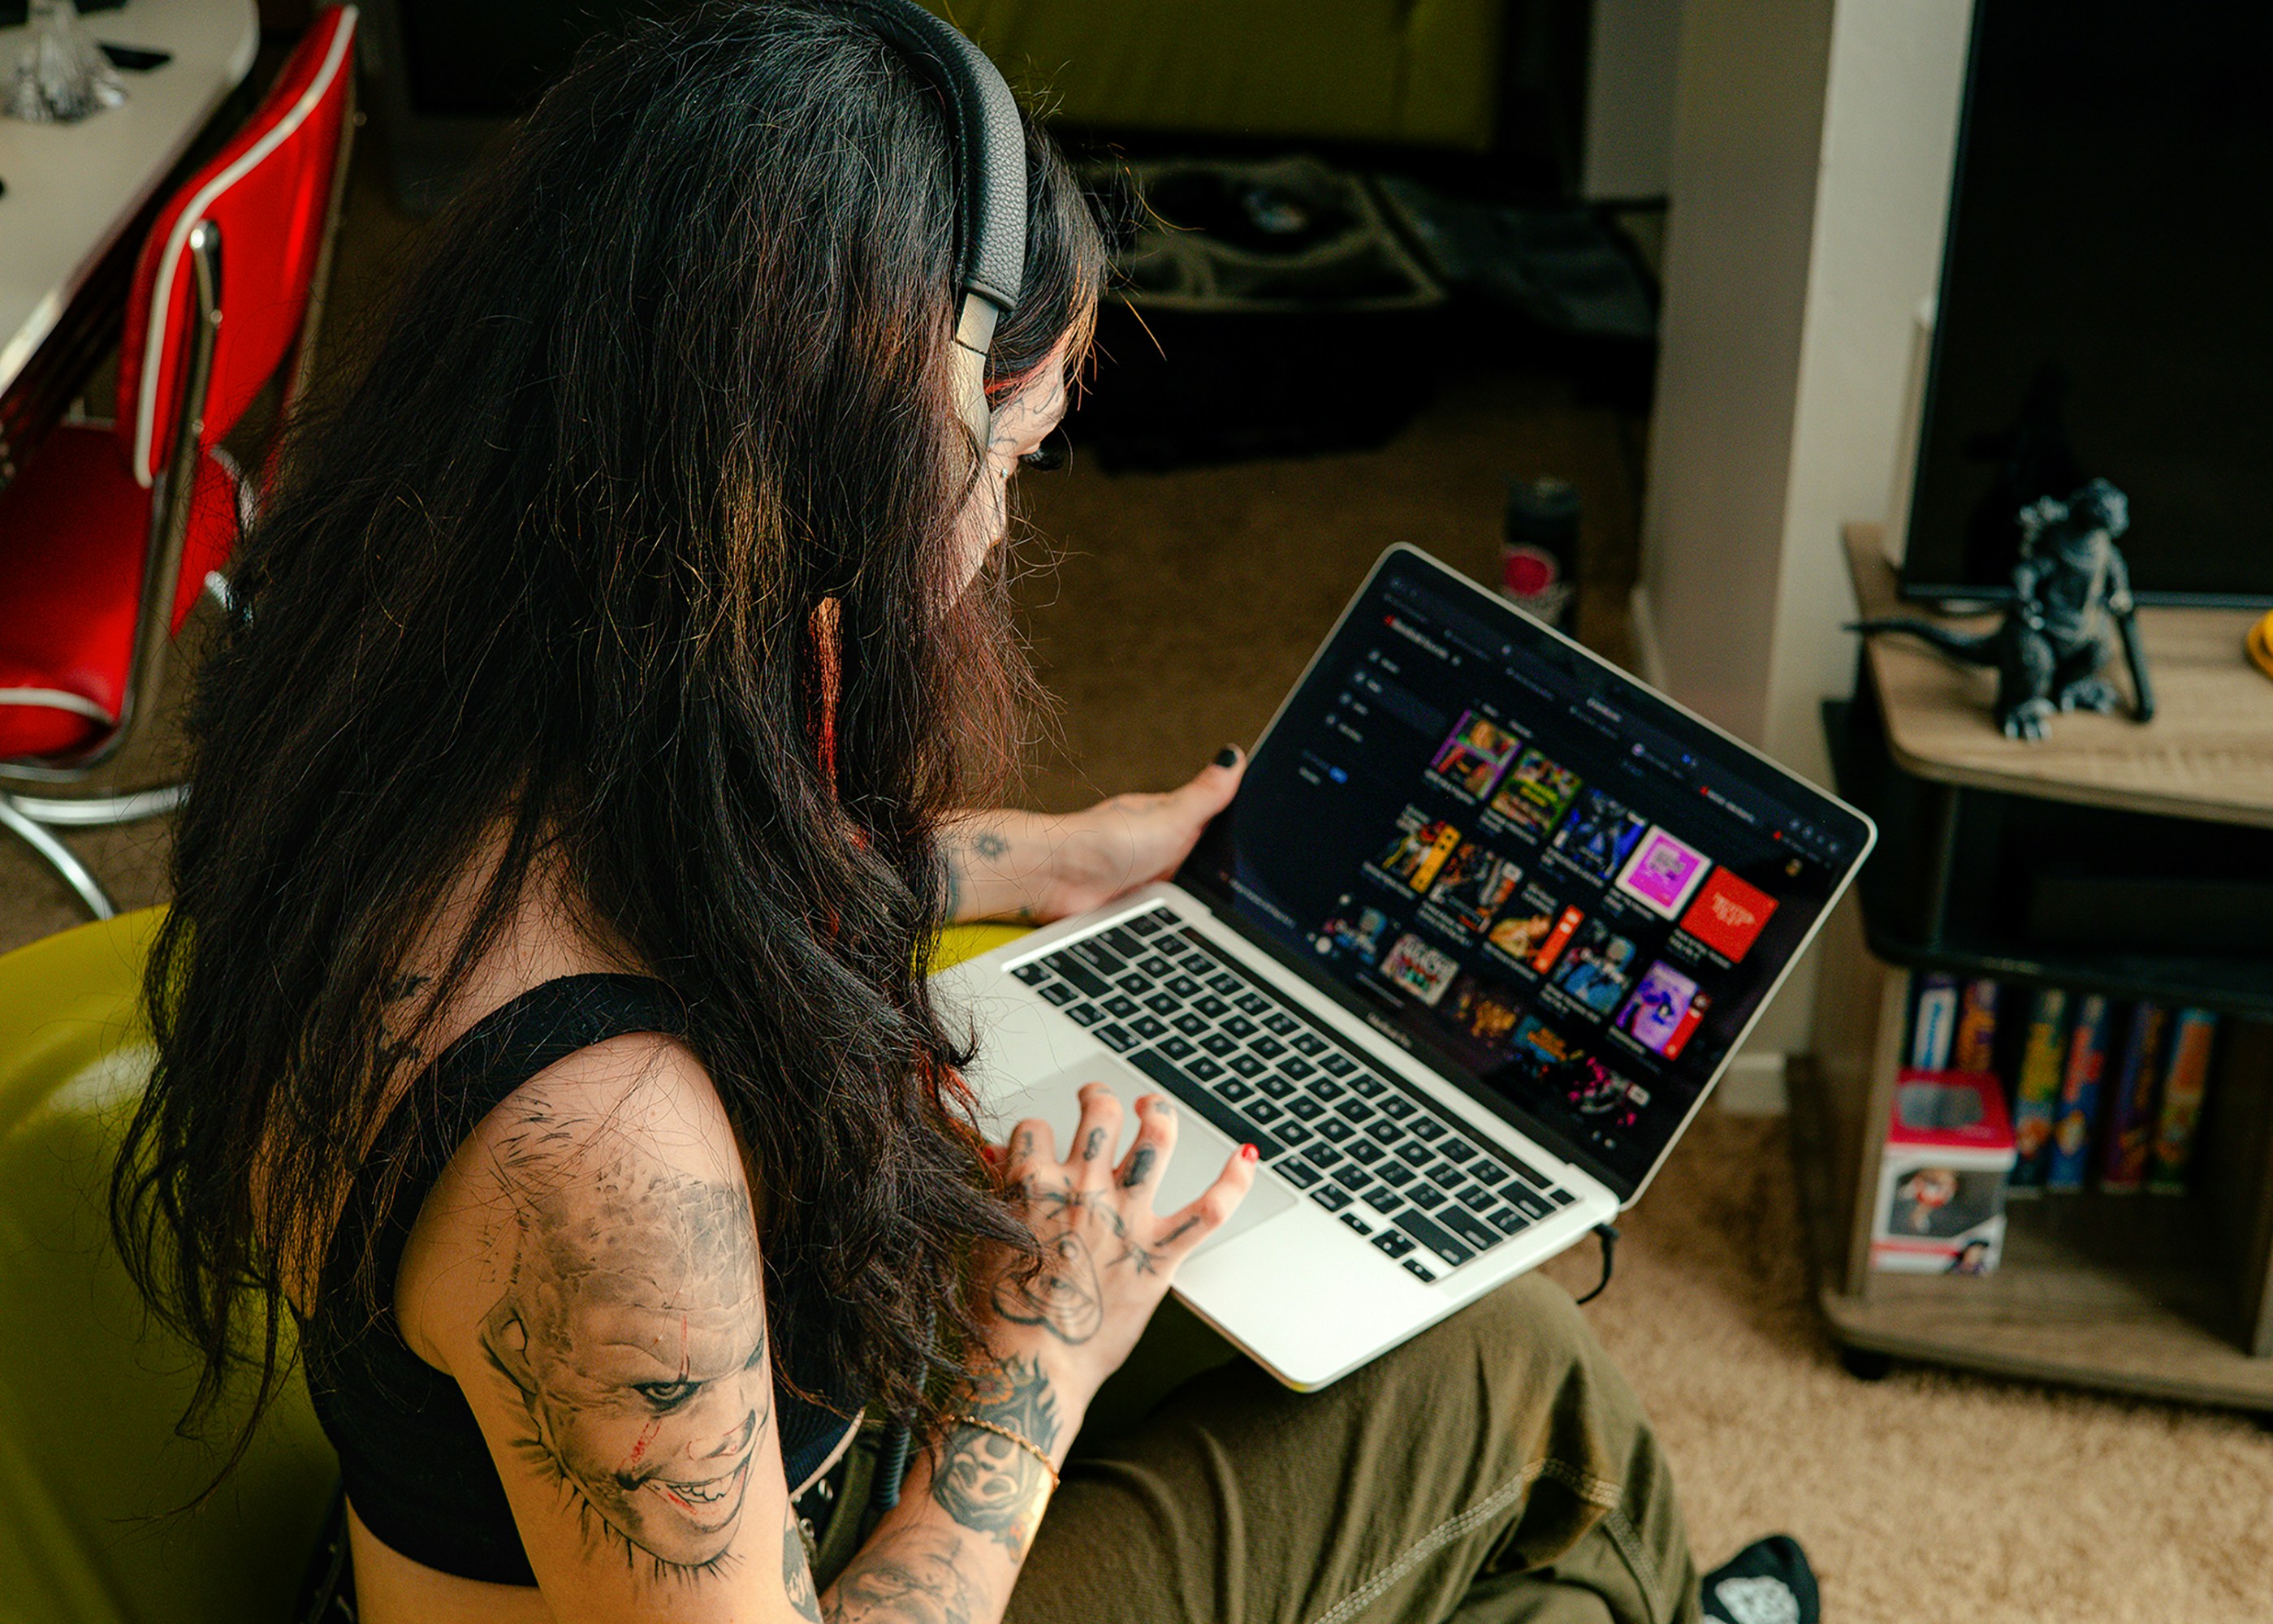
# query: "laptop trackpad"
[[1201, 1147]]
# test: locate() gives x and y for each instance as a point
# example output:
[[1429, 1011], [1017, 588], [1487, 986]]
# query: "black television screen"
[[2106, 303]]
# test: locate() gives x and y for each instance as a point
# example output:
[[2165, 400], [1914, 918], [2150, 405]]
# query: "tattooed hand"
[[1107, 1256]]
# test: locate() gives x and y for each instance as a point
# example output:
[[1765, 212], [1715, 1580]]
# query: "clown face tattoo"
[[633, 1329]]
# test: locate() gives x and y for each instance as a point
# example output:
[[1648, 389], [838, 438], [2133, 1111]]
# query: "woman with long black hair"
[[541, 1017]]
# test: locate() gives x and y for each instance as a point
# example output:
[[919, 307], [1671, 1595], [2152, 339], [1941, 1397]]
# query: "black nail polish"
[[1228, 756]]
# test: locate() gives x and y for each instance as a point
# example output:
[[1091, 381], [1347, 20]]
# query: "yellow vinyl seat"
[[94, 1474]]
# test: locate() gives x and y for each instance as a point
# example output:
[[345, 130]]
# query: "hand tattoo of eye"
[[1065, 1298]]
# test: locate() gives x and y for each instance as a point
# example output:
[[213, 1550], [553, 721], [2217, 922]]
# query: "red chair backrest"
[[269, 192]]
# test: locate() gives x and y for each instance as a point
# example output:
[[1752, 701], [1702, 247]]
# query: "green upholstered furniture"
[[92, 1474], [1425, 71]]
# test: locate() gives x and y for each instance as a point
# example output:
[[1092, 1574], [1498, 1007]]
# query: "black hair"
[[544, 573]]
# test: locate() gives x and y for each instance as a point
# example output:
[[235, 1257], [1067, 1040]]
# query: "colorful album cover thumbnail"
[[1664, 1012], [1558, 937], [1357, 932], [1524, 929], [1419, 971], [1474, 885], [1599, 835], [1600, 1094], [1545, 1058], [1537, 793], [1421, 848], [1664, 873], [1483, 1012], [1729, 915], [1599, 967], [1470, 760]]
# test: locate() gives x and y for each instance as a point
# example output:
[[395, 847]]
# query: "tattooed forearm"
[[904, 1576], [797, 1572], [918, 1570], [993, 867], [632, 1329], [984, 1481]]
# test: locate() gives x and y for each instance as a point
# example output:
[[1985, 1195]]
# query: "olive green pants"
[[1495, 1468]]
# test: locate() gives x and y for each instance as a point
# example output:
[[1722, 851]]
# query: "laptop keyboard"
[[1365, 1148]]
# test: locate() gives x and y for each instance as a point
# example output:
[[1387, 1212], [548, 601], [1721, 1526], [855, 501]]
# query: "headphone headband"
[[989, 143]]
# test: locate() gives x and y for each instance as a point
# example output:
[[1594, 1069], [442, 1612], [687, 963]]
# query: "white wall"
[[1747, 139], [1882, 198], [1813, 148], [1634, 59]]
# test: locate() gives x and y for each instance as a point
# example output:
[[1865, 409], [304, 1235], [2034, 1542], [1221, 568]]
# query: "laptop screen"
[[1506, 855]]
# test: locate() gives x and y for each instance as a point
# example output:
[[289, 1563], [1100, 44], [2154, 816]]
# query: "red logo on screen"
[[1728, 914]]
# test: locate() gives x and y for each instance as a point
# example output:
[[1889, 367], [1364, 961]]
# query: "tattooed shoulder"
[[630, 1327]]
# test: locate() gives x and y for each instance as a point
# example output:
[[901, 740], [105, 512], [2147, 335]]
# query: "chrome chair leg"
[[60, 857], [95, 812]]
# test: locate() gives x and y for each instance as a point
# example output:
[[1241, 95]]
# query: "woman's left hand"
[[1034, 867]]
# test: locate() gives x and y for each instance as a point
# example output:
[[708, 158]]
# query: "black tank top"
[[412, 1458]]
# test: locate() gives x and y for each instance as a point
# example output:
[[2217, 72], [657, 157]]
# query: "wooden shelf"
[[2168, 1297], [2126, 1293], [2207, 755], [1971, 944]]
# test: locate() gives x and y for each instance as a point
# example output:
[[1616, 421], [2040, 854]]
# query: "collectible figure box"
[[1941, 1186]]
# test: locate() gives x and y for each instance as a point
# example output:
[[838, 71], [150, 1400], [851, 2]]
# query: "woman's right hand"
[[1107, 1256]]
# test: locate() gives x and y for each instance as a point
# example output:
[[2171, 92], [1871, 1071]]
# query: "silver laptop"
[[1483, 926]]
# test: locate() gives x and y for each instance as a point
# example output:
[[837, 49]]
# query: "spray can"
[[1539, 551]]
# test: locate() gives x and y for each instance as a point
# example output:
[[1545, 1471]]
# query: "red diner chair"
[[110, 531]]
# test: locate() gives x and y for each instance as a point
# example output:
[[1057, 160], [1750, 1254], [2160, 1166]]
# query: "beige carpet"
[[1184, 606]]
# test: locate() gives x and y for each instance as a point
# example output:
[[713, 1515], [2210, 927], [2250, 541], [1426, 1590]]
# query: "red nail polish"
[[1247, 1153]]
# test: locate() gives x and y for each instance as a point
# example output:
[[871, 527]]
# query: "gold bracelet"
[[1020, 1439]]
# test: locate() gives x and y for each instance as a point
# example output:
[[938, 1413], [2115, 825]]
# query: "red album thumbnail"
[[1557, 938], [1727, 915]]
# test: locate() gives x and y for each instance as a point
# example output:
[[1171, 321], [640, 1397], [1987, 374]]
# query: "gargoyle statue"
[[2070, 581]]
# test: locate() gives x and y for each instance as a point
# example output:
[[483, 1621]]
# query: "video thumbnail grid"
[[1563, 945]]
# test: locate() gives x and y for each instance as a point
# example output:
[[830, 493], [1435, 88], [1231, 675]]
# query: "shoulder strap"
[[512, 1042], [471, 1079]]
